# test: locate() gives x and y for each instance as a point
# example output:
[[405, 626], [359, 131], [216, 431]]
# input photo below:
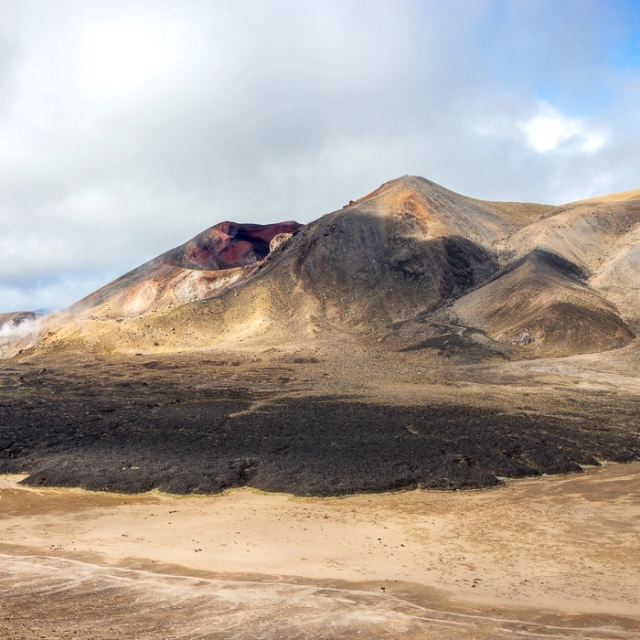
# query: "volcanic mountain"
[[407, 264], [414, 337]]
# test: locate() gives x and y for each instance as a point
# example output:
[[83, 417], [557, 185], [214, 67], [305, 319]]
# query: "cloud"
[[127, 54], [128, 127], [48, 294], [551, 130]]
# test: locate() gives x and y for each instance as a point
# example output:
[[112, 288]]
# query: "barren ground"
[[551, 557], [538, 557], [305, 422]]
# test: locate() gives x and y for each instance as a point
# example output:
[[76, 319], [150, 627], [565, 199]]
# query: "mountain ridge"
[[404, 253]]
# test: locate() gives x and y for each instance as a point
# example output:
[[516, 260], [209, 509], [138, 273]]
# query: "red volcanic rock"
[[227, 245], [196, 269]]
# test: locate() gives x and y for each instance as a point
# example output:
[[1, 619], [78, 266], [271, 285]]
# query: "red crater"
[[227, 245]]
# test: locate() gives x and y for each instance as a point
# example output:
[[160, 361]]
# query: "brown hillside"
[[390, 269], [541, 302]]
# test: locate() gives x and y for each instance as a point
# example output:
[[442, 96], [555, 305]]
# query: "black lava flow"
[[301, 445]]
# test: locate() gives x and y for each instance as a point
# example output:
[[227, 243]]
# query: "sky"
[[127, 127]]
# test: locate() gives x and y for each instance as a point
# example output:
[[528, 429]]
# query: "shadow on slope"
[[541, 301], [363, 268]]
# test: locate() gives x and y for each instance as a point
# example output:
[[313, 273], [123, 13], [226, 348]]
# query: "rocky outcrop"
[[278, 240]]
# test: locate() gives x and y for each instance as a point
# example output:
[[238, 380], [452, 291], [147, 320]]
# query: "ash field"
[[195, 425]]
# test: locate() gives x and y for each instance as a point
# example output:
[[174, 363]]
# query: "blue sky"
[[128, 127]]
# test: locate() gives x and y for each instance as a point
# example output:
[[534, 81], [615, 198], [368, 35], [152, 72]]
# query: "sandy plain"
[[547, 557]]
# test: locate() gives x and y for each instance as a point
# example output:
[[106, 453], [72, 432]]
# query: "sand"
[[551, 552]]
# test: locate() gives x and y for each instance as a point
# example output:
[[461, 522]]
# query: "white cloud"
[[127, 54], [550, 130], [53, 293]]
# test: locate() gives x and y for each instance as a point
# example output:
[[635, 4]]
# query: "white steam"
[[16, 330], [17, 334]]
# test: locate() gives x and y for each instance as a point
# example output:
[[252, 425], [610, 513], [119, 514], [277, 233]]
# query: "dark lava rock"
[[304, 446]]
